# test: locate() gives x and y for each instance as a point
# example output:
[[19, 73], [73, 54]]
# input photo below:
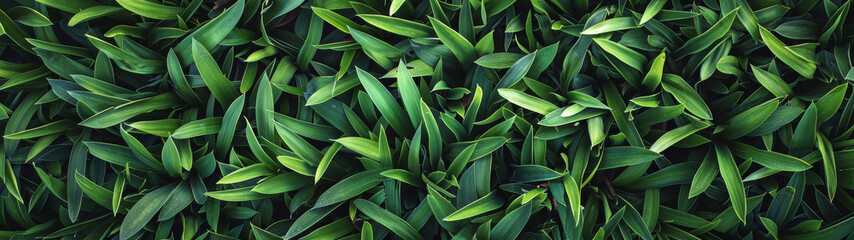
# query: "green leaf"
[[389, 108], [144, 210], [297, 165], [835, 231], [326, 160], [460, 161], [705, 174], [804, 136], [799, 29], [458, 44], [121, 113], [732, 179], [779, 207], [636, 223], [14, 32], [750, 119], [100, 11], [585, 100], [611, 25], [264, 108], [769, 159], [772, 82], [348, 188], [829, 162], [198, 128], [331, 90], [651, 10], [28, 16], [651, 208], [236, 195], [308, 219], [160, 128], [284, 182], [677, 134], [127, 60], [377, 49], [306, 129], [97, 193], [150, 9], [596, 131], [67, 5], [434, 137], [209, 34], [398, 26], [43, 130], [262, 234], [686, 95], [171, 158], [622, 156], [517, 71], [246, 173], [788, 55], [181, 197], [178, 80], [115, 154], [653, 77], [298, 145], [387, 219], [535, 173], [527, 101], [220, 86], [99, 86], [118, 190], [229, 124], [829, 104], [366, 147], [403, 176], [336, 19], [626, 55], [500, 60], [709, 37], [138, 150], [574, 195], [512, 224], [409, 94], [395, 5], [480, 206]]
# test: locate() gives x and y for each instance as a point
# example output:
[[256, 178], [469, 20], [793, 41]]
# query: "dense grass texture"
[[426, 119]]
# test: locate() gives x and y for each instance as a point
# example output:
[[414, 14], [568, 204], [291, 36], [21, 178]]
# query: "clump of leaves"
[[426, 119]]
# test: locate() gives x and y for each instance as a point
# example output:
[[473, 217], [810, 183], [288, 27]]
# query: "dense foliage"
[[426, 119]]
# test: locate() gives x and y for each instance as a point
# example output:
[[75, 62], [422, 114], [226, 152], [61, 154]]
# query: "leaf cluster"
[[426, 119]]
